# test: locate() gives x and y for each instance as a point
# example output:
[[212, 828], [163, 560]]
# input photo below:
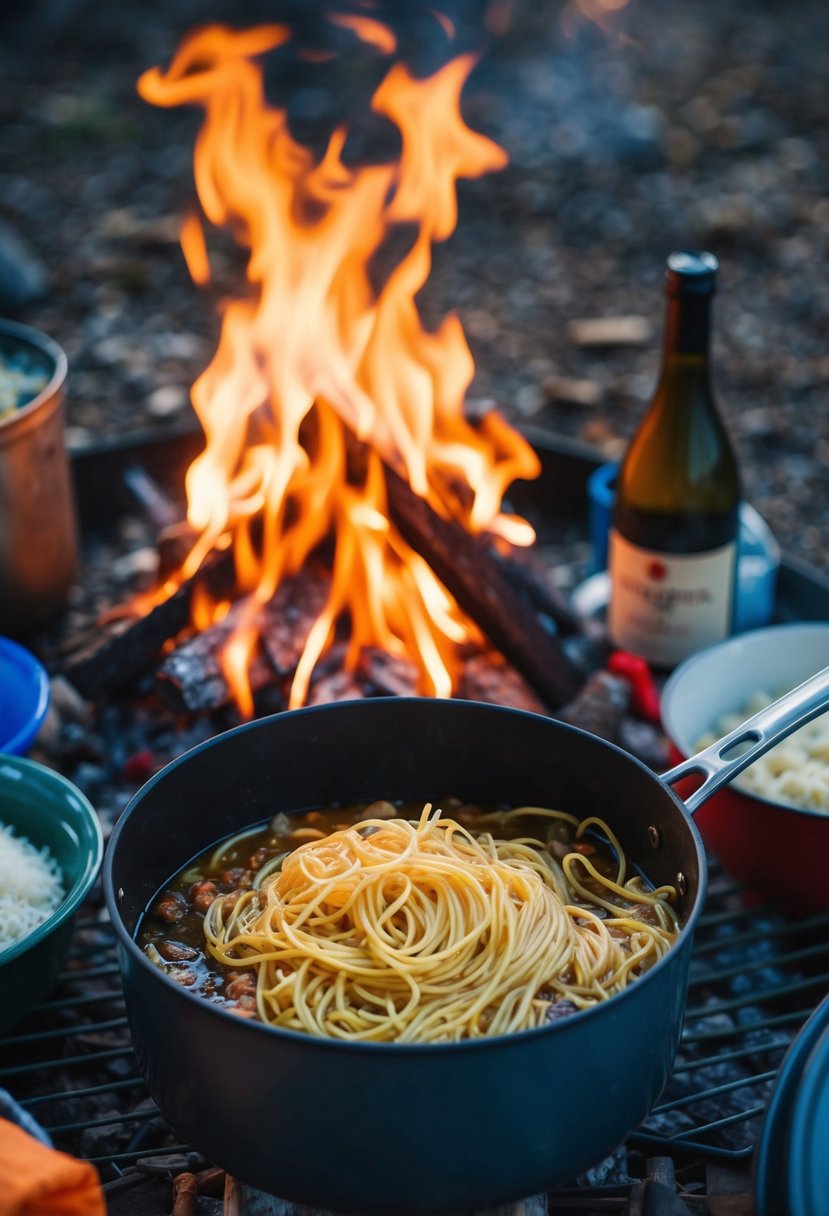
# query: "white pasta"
[[795, 772]]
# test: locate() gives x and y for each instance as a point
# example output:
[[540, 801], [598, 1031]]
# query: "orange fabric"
[[39, 1181]]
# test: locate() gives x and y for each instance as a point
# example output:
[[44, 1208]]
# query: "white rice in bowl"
[[795, 772], [31, 886]]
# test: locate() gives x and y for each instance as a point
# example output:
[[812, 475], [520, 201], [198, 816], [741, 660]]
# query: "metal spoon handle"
[[716, 763]]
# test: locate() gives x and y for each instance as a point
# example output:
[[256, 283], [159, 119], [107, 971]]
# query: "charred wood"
[[132, 647], [526, 575], [118, 655], [173, 543], [185, 1194], [290, 617], [336, 686], [473, 577], [600, 706], [651, 1198], [387, 674], [192, 678], [154, 502], [483, 584], [487, 678]]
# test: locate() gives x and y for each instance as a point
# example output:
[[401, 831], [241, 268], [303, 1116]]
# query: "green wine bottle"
[[673, 540]]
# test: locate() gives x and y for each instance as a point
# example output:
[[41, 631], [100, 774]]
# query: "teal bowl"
[[49, 811]]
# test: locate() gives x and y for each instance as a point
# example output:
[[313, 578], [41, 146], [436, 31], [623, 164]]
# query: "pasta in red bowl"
[[770, 826]]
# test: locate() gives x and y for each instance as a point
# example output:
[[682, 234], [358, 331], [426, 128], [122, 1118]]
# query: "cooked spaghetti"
[[417, 932]]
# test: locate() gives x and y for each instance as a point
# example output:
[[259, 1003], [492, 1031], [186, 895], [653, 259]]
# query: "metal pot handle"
[[772, 724]]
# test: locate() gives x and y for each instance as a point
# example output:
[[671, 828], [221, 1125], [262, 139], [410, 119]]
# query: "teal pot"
[[49, 811], [376, 1128], [385, 1127]]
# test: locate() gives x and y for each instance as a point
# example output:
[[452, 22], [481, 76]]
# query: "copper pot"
[[38, 521]]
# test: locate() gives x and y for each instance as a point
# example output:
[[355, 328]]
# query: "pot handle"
[[718, 764]]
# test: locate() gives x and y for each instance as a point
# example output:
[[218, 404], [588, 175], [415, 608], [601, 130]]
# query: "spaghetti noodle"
[[391, 930]]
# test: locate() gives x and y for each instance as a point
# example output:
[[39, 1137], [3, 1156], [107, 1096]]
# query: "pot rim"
[[27, 335], [325, 1043]]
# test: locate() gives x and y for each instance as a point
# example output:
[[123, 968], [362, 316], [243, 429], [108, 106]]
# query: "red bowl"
[[773, 850]]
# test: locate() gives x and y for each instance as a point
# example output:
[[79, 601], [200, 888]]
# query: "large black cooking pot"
[[382, 1128]]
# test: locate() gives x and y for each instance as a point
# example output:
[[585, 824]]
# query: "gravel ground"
[[681, 124]]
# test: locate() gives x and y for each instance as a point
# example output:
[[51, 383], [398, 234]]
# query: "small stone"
[[569, 390], [68, 702], [481, 325], [110, 351], [49, 736], [167, 400], [529, 400], [610, 331], [179, 346], [77, 438], [139, 561]]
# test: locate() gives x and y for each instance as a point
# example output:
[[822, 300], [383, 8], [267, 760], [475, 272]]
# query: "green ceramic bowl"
[[48, 810]]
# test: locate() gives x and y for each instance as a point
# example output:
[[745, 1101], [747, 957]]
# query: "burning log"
[[499, 593], [191, 678], [289, 618], [485, 679], [524, 572], [335, 686], [600, 706], [387, 675], [327, 366], [472, 576], [131, 649]]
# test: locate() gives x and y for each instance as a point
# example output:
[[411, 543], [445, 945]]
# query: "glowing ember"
[[315, 364]]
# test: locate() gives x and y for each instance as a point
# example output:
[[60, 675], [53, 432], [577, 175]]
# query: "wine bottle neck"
[[687, 328]]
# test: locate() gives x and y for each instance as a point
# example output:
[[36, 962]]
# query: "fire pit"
[[345, 531]]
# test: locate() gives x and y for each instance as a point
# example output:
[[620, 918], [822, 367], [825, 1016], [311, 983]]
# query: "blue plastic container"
[[24, 697]]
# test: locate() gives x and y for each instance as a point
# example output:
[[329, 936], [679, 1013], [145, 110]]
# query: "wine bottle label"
[[664, 606]]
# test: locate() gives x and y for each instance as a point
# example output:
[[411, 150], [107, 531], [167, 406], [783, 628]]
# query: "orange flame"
[[367, 30], [195, 250], [315, 356]]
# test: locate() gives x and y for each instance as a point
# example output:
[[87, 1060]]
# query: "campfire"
[[346, 529]]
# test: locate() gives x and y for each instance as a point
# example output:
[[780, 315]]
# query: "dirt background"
[[676, 125]]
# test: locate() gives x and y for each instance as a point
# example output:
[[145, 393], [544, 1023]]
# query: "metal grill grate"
[[756, 975]]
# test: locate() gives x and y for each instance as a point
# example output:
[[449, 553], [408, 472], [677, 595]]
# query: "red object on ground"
[[635, 669], [774, 853], [140, 765]]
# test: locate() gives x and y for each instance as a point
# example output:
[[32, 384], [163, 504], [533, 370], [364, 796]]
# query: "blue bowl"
[[24, 698]]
